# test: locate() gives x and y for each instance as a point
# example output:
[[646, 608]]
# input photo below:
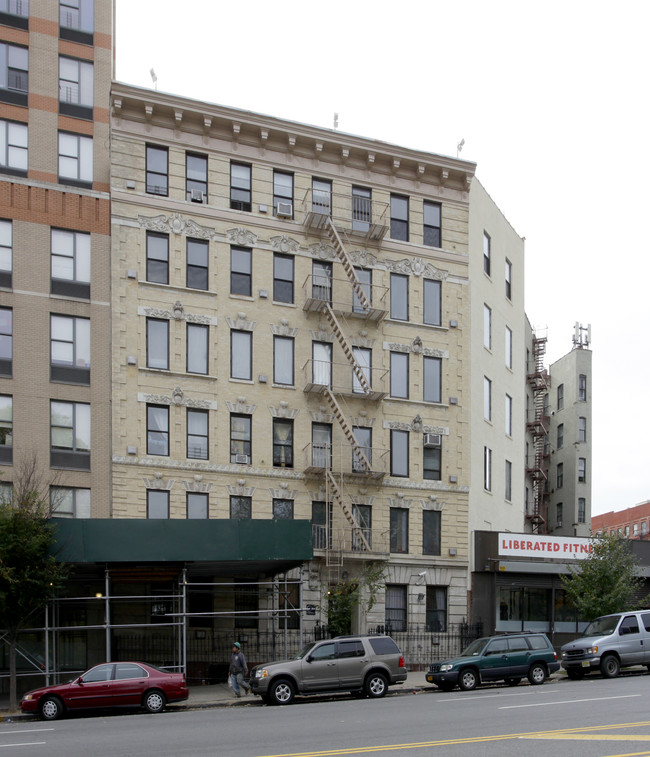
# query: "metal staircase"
[[539, 382]]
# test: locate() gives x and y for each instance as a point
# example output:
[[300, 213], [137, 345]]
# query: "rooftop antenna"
[[336, 120], [154, 78], [459, 147], [581, 336]]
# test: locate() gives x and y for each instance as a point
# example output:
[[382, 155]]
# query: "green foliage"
[[605, 582], [343, 597]]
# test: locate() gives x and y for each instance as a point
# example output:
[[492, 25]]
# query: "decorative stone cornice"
[[283, 243], [415, 267], [176, 224], [283, 329], [241, 406], [363, 258], [430, 352], [396, 347], [284, 411], [367, 422], [241, 323], [321, 336], [240, 490], [178, 398], [432, 504], [283, 493], [159, 482], [321, 416], [322, 251], [241, 236], [197, 485]]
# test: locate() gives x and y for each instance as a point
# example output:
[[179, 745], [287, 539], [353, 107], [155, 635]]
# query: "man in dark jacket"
[[238, 669]]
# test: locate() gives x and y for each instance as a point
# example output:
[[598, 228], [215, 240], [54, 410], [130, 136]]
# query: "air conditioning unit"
[[197, 195], [284, 210], [558, 524], [432, 440], [242, 459]]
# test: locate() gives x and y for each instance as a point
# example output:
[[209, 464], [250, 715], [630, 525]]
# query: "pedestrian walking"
[[238, 670]]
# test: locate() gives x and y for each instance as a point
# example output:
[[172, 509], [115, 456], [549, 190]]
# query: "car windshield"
[[602, 626], [475, 648], [305, 650]]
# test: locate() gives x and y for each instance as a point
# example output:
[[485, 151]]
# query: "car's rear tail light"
[[401, 661], [555, 655]]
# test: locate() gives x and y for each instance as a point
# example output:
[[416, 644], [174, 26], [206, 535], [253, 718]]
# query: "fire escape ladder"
[[338, 496], [343, 256], [360, 456], [540, 386], [346, 347]]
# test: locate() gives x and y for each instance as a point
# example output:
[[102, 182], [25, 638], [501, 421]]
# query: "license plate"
[[585, 663]]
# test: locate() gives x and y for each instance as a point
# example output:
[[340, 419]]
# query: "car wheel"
[[468, 679], [281, 692], [445, 686], [51, 708], [154, 701], [513, 681], [376, 685], [575, 674], [610, 667], [537, 674]]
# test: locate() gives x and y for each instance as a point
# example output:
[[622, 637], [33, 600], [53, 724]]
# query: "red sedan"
[[112, 684]]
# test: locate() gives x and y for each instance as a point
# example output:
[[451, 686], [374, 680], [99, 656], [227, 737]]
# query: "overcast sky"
[[551, 100]]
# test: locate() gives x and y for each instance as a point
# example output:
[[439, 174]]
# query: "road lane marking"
[[30, 730], [589, 736], [567, 701], [27, 743]]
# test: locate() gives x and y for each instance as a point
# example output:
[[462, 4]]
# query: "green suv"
[[506, 658]]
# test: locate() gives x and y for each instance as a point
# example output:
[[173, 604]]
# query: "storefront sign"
[[550, 547]]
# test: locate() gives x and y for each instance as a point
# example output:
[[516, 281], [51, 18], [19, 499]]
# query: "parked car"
[[112, 684], [608, 644], [506, 658], [363, 665]]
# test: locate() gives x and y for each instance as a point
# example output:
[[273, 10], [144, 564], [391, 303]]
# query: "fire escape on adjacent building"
[[537, 467], [346, 469]]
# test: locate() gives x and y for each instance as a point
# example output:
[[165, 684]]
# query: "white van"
[[608, 644]]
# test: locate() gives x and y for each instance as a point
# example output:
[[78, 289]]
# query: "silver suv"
[[363, 665]]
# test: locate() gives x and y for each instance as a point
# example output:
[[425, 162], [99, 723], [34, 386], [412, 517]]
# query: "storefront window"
[[524, 609]]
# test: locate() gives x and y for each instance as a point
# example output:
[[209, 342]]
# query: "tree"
[[29, 574], [606, 581]]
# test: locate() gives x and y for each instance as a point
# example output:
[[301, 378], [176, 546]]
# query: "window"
[[196, 177], [436, 612], [582, 429], [399, 530], [75, 159], [14, 13], [560, 397], [399, 453], [582, 512], [399, 297], [431, 228], [157, 178], [197, 434], [157, 504], [432, 369], [240, 508], [399, 374], [395, 599], [361, 209], [321, 519], [14, 74], [487, 469], [70, 435], [508, 279], [283, 367], [158, 430], [6, 253], [560, 435], [582, 469], [197, 263], [362, 452], [365, 279], [362, 514], [282, 509], [487, 253], [66, 502], [77, 16], [321, 281], [321, 444], [282, 194], [431, 527], [508, 481], [559, 476], [157, 258], [322, 363], [198, 337], [508, 347], [70, 349], [487, 327], [282, 278], [283, 443], [240, 439], [76, 88], [432, 302], [558, 514], [157, 344], [508, 419], [582, 388], [363, 359], [240, 187], [241, 355], [197, 505], [487, 398], [432, 463], [70, 263], [6, 428], [13, 147], [321, 194], [399, 218], [6, 341], [241, 281]]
